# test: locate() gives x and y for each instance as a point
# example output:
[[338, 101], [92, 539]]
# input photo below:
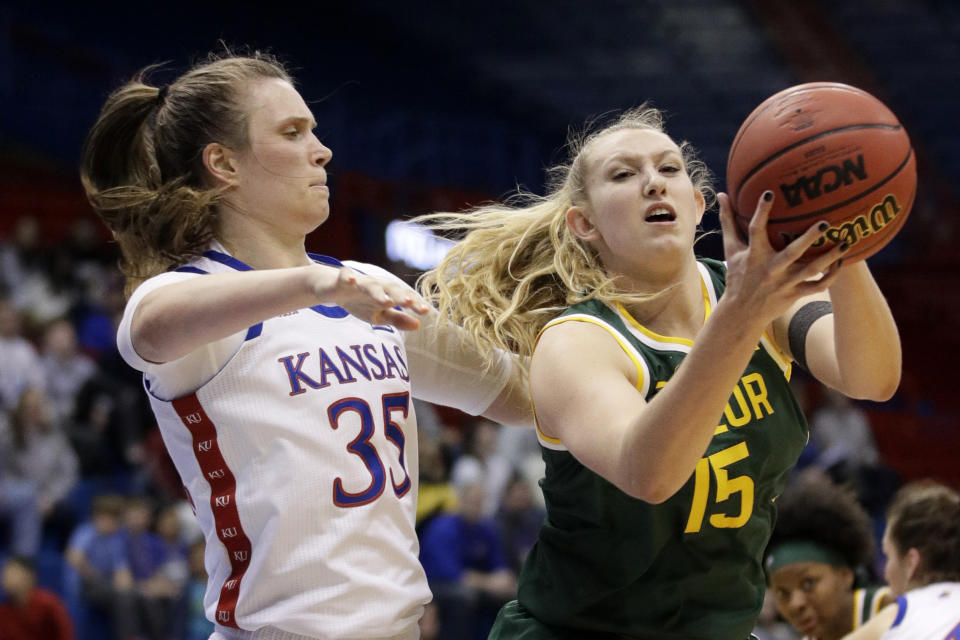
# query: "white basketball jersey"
[[928, 613], [300, 460]]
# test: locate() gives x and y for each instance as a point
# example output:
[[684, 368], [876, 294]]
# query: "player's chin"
[[319, 213]]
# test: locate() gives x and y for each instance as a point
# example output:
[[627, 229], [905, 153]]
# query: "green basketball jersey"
[[867, 602], [609, 565]]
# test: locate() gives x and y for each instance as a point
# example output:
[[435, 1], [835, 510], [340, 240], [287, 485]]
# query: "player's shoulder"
[[592, 308], [160, 280], [579, 322]]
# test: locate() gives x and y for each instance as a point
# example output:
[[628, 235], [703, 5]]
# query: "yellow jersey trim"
[[642, 377], [860, 595], [707, 309], [777, 354]]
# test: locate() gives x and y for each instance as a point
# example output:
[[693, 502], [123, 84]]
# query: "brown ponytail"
[[142, 163]]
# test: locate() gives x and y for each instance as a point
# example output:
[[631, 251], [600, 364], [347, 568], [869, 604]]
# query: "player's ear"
[[912, 561], [580, 224], [701, 204], [220, 164]]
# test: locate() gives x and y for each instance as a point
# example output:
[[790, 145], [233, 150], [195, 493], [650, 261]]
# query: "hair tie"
[[162, 94]]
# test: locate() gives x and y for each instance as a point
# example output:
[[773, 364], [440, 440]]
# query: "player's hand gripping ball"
[[830, 152]]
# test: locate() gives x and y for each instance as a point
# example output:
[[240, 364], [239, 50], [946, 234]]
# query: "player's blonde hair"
[[518, 265], [142, 163]]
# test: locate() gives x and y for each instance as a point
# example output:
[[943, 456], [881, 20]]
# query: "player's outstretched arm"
[[175, 319], [856, 350], [845, 337]]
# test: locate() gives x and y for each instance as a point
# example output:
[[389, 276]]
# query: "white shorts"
[[269, 633]]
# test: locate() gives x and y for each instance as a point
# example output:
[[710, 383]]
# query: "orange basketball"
[[828, 151]]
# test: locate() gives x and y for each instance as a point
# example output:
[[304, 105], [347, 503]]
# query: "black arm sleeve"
[[799, 326]]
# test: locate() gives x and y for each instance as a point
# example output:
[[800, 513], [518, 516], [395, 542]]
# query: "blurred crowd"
[[98, 541]]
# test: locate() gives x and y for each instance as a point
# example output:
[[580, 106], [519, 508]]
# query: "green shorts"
[[514, 622]]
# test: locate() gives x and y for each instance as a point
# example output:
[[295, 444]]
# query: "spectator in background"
[[155, 593], [518, 445], [111, 416], [19, 512], [21, 365], [36, 450], [91, 256], [108, 426], [481, 462], [21, 258], [840, 431], [20, 515], [521, 449], [98, 555], [58, 292], [40, 278], [197, 625], [437, 494], [519, 519], [19, 253], [922, 545], [169, 529], [28, 612], [97, 317], [65, 368], [157, 474], [466, 567], [818, 560], [175, 571], [800, 385]]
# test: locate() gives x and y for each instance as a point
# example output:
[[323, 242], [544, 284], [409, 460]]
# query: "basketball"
[[828, 151]]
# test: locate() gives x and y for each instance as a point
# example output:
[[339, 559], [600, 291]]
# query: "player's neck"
[[263, 250], [677, 310], [842, 628]]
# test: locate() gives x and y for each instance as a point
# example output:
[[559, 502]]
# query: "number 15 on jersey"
[[726, 487]]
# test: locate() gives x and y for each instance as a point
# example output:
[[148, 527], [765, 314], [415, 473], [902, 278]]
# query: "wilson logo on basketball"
[[826, 180], [852, 231]]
